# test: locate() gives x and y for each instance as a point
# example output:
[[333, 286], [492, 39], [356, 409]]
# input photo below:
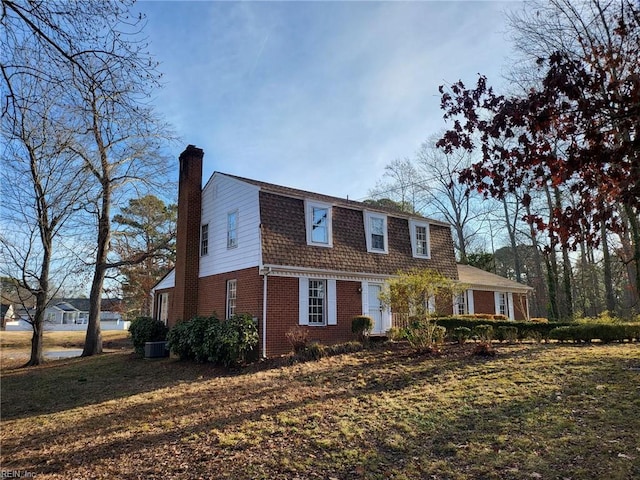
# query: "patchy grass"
[[55, 340], [533, 411]]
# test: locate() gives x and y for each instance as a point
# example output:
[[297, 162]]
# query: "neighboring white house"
[[70, 314]]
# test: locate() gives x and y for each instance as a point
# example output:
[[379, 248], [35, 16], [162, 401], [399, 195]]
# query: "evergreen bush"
[[146, 329]]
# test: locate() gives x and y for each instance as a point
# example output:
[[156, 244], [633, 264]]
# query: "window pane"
[[377, 242], [317, 289], [232, 230], [421, 240], [377, 226], [377, 233], [204, 240], [231, 298], [319, 231]]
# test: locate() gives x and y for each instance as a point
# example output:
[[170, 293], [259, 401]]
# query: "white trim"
[[364, 288], [303, 301], [294, 271], [332, 302], [368, 218], [510, 306], [470, 305], [413, 225], [309, 206]]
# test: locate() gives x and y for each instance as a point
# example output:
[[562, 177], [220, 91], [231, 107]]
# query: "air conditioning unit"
[[155, 350]]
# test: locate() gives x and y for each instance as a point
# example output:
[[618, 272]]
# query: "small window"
[[502, 305], [163, 307], [319, 224], [317, 301], [419, 239], [232, 230], [460, 304], [376, 232], [204, 240], [232, 290]]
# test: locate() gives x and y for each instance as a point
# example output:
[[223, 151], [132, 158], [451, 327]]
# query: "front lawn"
[[534, 411]]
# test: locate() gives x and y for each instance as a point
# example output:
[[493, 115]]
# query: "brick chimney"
[[185, 293]]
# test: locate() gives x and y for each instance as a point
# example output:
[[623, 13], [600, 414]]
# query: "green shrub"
[[178, 340], [605, 332], [439, 333], [146, 329], [507, 334], [233, 339], [208, 339], [361, 325], [342, 348], [461, 334], [535, 330], [484, 333], [396, 334], [422, 333], [314, 351]]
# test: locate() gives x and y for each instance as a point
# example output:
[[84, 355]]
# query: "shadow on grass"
[[497, 434]]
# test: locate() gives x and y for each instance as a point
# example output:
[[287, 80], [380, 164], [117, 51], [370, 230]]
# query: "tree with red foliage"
[[577, 129]]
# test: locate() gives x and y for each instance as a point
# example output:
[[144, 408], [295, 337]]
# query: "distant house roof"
[[82, 304], [65, 307], [481, 279]]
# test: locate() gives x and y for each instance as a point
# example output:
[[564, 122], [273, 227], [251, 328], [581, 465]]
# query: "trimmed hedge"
[[605, 332], [533, 330]]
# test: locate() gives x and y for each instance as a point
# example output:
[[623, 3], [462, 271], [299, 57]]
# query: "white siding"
[[221, 196]]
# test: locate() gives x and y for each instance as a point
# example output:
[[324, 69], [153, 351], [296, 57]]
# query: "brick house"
[[290, 257]]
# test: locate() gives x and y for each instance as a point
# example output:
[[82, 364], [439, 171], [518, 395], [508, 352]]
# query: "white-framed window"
[[460, 304], [204, 239], [163, 307], [318, 219], [318, 301], [375, 225], [232, 292], [232, 229], [502, 305], [420, 244]]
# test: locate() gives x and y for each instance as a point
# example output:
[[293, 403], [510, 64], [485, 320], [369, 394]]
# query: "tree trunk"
[[540, 292], [610, 300], [635, 240], [513, 241], [93, 340], [37, 351]]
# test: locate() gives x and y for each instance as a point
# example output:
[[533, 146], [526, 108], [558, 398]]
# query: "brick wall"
[[282, 314], [484, 302], [185, 295], [213, 293]]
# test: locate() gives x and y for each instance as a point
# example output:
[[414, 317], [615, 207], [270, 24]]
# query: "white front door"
[[377, 311]]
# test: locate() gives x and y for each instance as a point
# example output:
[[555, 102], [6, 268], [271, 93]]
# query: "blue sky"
[[317, 95]]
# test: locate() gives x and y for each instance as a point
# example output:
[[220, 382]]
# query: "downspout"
[[265, 274]]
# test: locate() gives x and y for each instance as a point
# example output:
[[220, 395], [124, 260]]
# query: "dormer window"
[[420, 244], [318, 218], [376, 232]]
